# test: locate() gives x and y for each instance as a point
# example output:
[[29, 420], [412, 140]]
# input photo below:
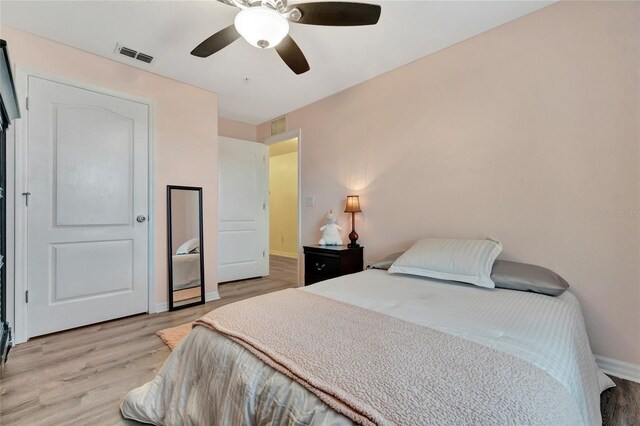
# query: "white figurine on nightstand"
[[331, 232]]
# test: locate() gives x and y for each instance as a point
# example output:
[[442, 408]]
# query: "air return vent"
[[128, 52], [144, 58], [134, 54], [279, 125]]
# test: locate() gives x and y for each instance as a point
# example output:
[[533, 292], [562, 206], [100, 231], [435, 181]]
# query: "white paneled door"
[[87, 207], [243, 213]]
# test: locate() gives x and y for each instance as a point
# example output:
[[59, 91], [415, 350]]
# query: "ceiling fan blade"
[[339, 14], [292, 55], [216, 42]]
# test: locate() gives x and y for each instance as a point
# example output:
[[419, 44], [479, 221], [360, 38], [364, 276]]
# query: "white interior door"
[[243, 213], [88, 182]]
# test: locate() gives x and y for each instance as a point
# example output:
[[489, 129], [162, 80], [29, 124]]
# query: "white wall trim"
[[151, 211], [22, 73], [621, 369], [283, 254], [20, 224], [10, 195], [297, 133], [208, 297]]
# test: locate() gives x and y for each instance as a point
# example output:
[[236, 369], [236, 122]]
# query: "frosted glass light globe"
[[261, 27]]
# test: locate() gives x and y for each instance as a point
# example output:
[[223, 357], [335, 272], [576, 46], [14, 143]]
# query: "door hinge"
[[26, 296], [27, 103], [26, 198], [264, 206], [263, 253]]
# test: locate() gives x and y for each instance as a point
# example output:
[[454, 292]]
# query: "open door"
[[243, 211]]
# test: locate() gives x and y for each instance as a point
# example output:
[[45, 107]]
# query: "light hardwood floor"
[[621, 405], [283, 268], [79, 377]]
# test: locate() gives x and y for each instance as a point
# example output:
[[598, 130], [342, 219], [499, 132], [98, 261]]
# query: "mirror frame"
[[170, 248]]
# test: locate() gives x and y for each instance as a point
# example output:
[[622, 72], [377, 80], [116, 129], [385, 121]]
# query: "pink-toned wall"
[[528, 133], [237, 129], [185, 131]]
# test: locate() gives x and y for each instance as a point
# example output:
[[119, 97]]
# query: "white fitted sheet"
[[549, 332]]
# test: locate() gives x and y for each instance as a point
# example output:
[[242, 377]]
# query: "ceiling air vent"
[[144, 58], [127, 52], [134, 54], [279, 125]]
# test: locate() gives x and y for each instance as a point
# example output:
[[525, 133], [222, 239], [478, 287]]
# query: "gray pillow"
[[524, 277], [387, 261]]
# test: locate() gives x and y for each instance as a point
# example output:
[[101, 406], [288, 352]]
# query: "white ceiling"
[[340, 57]]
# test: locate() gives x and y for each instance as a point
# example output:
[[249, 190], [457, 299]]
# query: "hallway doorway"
[[284, 240]]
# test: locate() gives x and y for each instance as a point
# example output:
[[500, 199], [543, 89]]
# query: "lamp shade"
[[262, 27], [353, 204]]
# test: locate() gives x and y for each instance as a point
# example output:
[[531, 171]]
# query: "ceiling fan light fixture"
[[261, 27]]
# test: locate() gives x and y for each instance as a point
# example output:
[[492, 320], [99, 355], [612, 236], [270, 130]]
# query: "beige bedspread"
[[376, 369]]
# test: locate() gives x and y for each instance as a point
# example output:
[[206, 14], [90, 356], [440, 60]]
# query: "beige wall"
[[283, 204], [236, 129], [184, 131], [528, 133]]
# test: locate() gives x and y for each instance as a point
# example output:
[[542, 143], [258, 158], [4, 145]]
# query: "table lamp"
[[353, 207]]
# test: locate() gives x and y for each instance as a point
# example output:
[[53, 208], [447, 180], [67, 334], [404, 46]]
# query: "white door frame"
[[20, 325], [297, 133]]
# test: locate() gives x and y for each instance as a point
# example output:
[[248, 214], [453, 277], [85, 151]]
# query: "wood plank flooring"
[[283, 268], [621, 405], [79, 377]]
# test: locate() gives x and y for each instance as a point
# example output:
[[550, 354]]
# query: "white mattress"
[[209, 379]]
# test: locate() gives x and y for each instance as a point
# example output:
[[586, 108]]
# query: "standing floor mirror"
[[185, 246]]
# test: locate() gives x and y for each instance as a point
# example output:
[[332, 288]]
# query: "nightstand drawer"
[[322, 265]]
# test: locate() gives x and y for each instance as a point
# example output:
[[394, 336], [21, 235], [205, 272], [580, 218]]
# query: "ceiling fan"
[[265, 24]]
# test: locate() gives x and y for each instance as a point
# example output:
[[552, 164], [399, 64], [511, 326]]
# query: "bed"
[[211, 378], [186, 271]]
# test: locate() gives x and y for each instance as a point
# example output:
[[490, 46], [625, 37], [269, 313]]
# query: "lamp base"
[[353, 236]]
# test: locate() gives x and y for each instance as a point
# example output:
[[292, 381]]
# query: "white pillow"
[[468, 261], [189, 246]]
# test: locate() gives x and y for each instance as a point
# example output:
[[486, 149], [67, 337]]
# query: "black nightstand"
[[324, 262]]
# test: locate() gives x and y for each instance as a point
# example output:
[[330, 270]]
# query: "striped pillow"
[[468, 261]]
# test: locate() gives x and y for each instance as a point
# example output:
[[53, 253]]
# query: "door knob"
[[141, 218]]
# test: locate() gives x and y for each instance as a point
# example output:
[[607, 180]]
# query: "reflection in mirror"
[[186, 264]]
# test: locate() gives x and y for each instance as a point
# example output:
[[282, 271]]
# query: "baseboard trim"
[[208, 297], [284, 254], [622, 369], [212, 295]]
